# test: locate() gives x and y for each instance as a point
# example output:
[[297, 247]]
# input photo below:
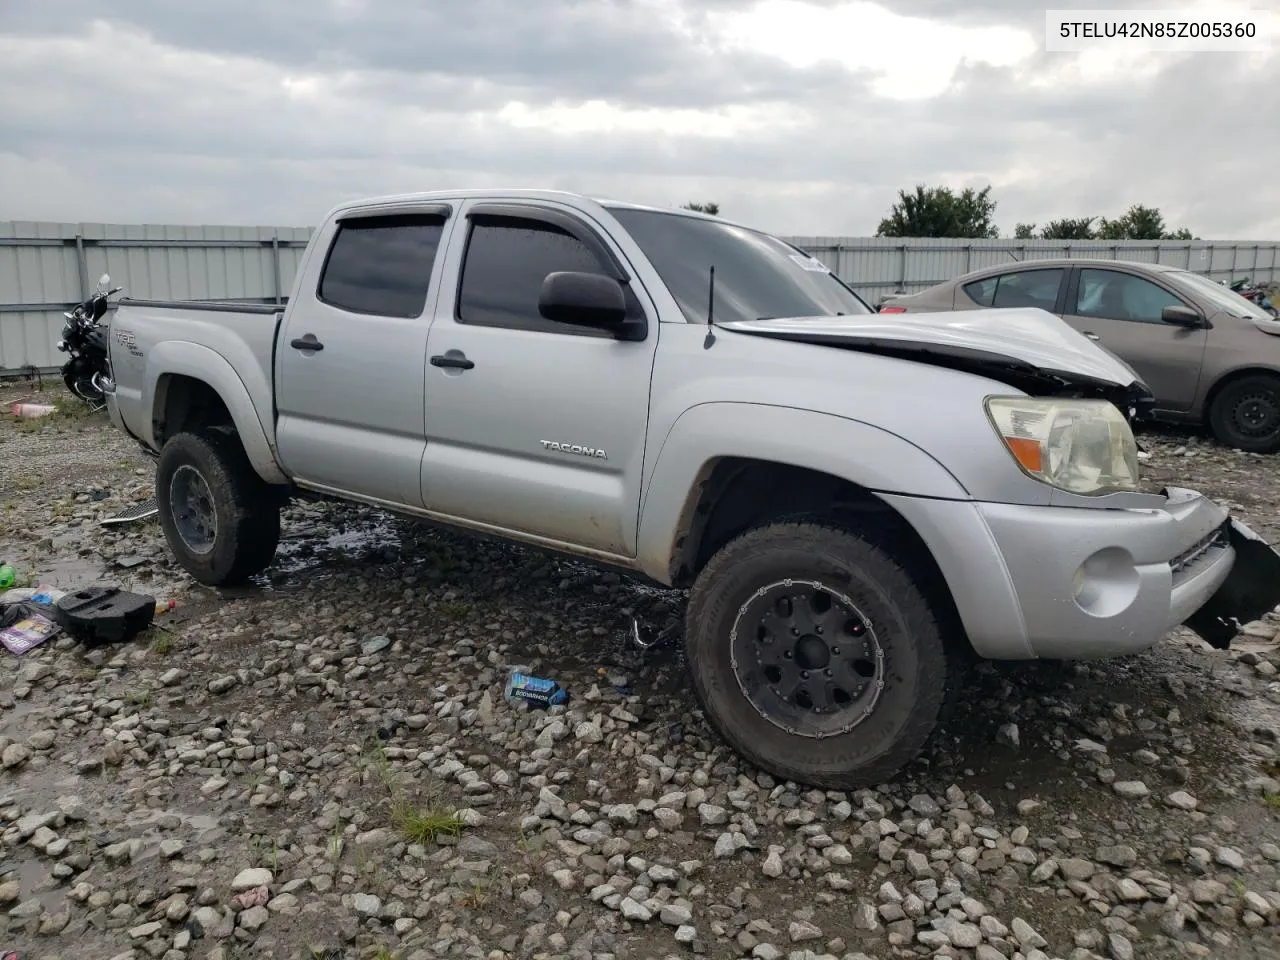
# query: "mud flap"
[[1251, 590]]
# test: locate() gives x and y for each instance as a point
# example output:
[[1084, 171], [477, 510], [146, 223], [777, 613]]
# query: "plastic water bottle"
[[7, 576], [535, 691]]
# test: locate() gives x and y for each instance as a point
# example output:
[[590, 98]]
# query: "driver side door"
[[533, 426], [1122, 312]]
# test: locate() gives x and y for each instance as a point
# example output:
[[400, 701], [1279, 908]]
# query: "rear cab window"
[[381, 265]]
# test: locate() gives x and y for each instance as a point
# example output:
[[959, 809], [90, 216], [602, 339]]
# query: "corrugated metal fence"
[[45, 268]]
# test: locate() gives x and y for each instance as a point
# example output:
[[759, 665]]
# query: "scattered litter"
[[535, 691], [374, 644], [166, 606], [254, 897], [647, 638], [27, 632], [104, 614], [7, 576], [29, 411], [141, 511], [128, 563], [389, 731], [1008, 734], [23, 621]]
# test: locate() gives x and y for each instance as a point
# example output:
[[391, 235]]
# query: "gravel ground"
[[254, 778]]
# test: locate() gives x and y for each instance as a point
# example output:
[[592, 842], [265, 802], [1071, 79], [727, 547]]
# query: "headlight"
[[1084, 446]]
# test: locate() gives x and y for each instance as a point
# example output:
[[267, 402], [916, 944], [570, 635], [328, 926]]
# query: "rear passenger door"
[[535, 427], [351, 362]]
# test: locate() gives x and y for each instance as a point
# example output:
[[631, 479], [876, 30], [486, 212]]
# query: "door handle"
[[453, 359], [1091, 335], [309, 342]]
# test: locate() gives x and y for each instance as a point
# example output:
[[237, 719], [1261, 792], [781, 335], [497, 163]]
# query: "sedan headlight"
[[1083, 446]]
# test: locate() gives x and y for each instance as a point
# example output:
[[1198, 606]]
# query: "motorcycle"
[[85, 339], [1254, 294]]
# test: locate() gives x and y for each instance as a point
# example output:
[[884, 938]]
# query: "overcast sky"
[[799, 117]]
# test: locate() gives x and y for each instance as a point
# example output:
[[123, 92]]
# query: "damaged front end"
[[1251, 590]]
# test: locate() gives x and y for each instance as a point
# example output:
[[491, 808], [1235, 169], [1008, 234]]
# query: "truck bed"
[[231, 342]]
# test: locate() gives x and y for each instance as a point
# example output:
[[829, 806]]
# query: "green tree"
[[712, 209], [1140, 223], [1069, 228], [1024, 231], [940, 212]]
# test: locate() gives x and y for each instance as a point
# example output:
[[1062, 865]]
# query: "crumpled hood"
[[1025, 337]]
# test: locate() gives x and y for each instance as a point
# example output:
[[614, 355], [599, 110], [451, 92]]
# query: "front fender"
[[855, 451], [182, 358]]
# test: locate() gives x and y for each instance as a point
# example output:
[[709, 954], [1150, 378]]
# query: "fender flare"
[[178, 358], [861, 453]]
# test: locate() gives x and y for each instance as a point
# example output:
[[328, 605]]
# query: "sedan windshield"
[[1223, 298], [757, 276]]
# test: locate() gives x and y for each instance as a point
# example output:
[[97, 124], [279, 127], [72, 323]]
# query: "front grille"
[[1188, 558]]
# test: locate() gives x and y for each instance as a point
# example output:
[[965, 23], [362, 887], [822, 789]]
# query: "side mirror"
[[104, 282], [1180, 316], [583, 299]]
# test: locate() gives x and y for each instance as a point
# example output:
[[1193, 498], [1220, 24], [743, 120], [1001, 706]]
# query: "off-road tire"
[[1229, 407], [916, 661], [246, 507]]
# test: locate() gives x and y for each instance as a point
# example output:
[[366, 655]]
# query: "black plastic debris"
[[104, 614], [389, 731], [646, 637]]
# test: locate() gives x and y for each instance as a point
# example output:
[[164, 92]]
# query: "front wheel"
[[82, 382], [221, 520], [816, 655], [1245, 414]]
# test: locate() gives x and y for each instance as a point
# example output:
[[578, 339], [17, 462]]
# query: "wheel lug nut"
[[827, 672], [804, 674]]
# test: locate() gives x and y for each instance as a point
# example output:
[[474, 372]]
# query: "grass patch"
[[1272, 800], [68, 410], [138, 698], [424, 824], [161, 644], [454, 610], [477, 897]]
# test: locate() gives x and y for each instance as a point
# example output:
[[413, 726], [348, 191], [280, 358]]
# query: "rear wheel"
[[1246, 413], [816, 655], [221, 520]]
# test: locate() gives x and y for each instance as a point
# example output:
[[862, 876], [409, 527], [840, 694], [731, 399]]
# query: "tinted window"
[[1111, 295], [1028, 288], [1220, 297], [757, 276], [507, 260], [981, 291], [382, 265]]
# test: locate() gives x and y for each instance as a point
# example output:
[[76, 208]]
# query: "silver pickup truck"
[[855, 502]]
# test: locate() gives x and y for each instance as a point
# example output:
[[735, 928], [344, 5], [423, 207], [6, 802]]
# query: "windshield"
[[1224, 298], [757, 276]]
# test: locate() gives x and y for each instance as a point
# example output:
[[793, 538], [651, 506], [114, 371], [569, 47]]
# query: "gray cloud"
[[186, 117]]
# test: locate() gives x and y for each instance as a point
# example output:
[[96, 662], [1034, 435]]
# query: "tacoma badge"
[[574, 448]]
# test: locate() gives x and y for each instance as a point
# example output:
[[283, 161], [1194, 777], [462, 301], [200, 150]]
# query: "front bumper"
[[1071, 583]]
